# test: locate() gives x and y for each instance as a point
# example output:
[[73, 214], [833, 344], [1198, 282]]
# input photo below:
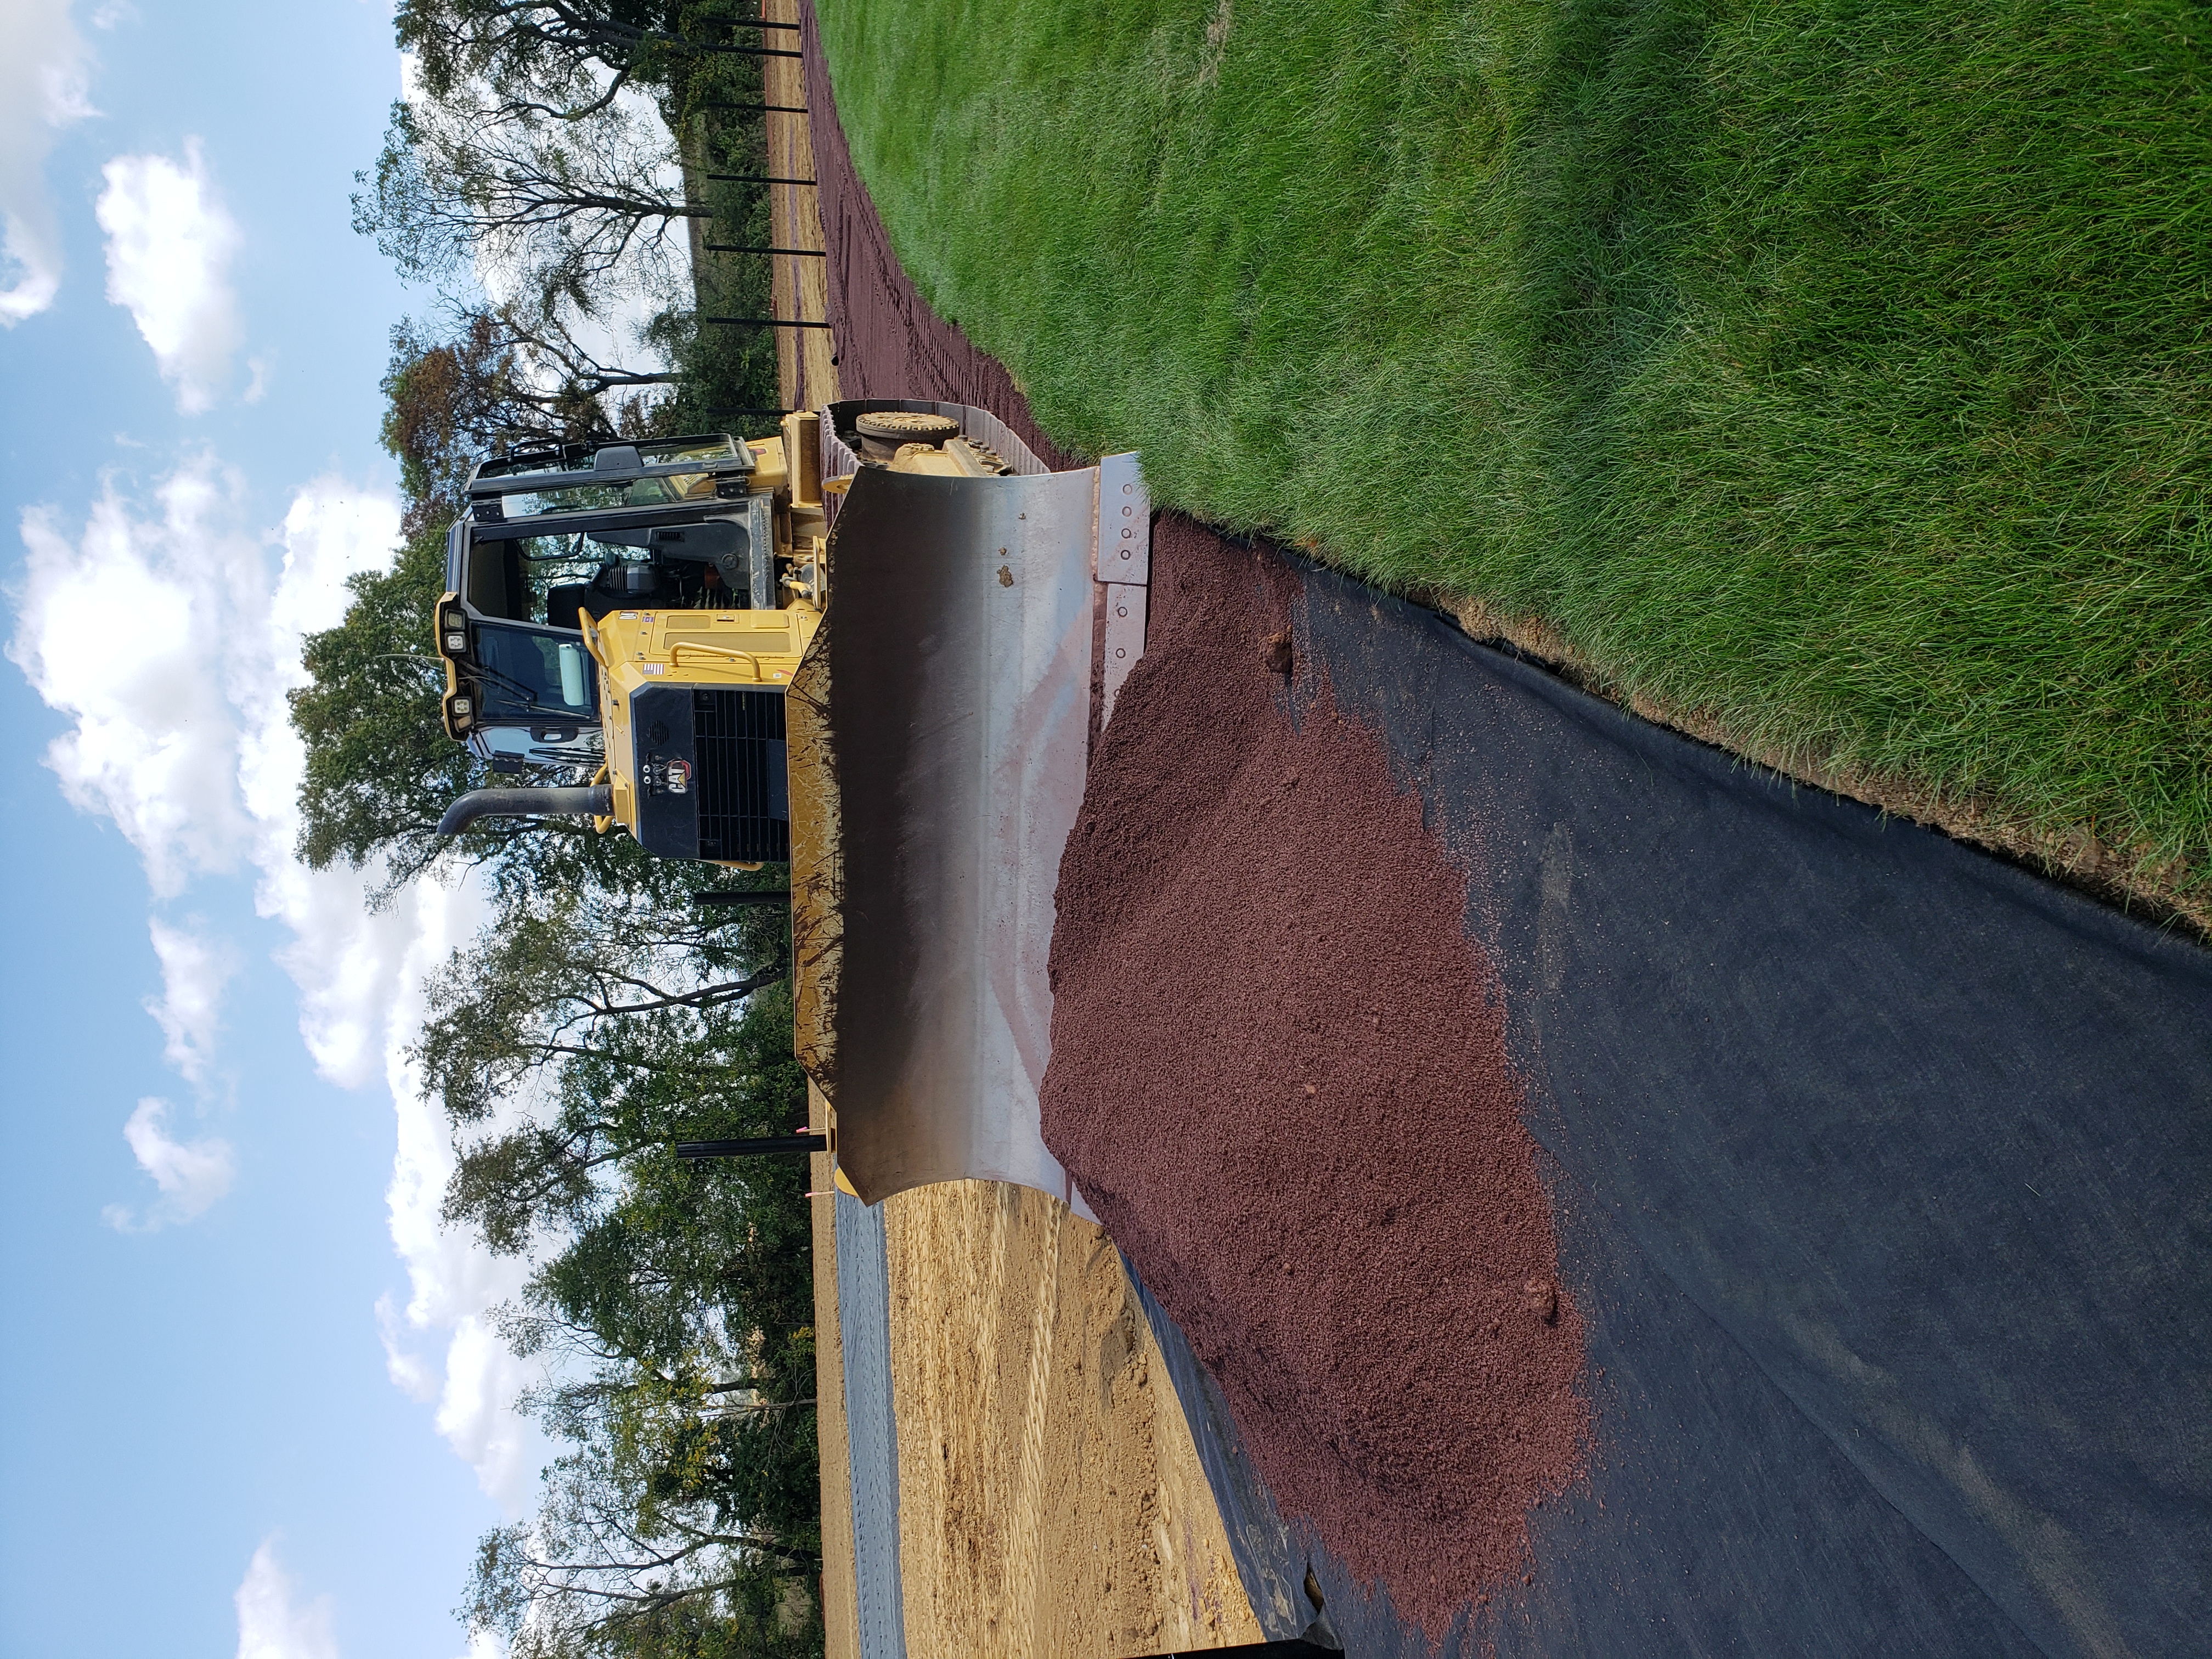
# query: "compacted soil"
[[1051, 1504]]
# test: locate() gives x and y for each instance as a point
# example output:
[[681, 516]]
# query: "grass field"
[[1838, 372]]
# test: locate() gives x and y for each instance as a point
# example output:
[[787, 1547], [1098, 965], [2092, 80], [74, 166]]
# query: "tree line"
[[542, 179], [560, 178]]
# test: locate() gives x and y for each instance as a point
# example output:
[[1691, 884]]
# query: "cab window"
[[524, 674], [549, 579]]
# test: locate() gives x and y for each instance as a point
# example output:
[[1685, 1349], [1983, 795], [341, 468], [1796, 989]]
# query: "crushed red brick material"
[[890, 343], [1279, 1068], [1279, 1073]]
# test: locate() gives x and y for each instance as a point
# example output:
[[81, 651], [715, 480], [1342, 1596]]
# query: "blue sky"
[[247, 1401]]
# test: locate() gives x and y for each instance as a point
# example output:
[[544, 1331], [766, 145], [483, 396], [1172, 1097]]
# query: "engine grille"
[[738, 779]]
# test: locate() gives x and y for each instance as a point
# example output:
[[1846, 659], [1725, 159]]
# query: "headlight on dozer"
[[451, 628]]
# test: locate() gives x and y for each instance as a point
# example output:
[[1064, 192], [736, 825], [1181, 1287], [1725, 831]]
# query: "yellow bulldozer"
[[876, 645]]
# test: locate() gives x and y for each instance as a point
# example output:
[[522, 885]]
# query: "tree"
[[560, 155], [564, 58], [500, 380], [680, 1317], [625, 1560], [571, 1043], [379, 770], [560, 971], [557, 213], [698, 1273], [634, 1087], [682, 1322]]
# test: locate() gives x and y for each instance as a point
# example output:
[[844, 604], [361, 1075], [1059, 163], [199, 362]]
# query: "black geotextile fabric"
[[1882, 1173], [1270, 1563]]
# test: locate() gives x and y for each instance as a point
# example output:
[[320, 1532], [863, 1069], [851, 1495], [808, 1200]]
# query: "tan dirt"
[[805, 376], [1051, 1500]]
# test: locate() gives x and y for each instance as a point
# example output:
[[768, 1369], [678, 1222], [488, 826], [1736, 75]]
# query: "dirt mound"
[[1278, 1073], [1252, 913]]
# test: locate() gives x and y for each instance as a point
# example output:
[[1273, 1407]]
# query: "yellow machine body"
[[647, 651], [916, 752]]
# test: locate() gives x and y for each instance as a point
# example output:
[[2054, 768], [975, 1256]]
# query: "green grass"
[[1836, 371]]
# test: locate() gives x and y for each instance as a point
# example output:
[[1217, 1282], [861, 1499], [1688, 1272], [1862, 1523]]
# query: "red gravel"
[[890, 343], [1277, 1066], [1279, 1073]]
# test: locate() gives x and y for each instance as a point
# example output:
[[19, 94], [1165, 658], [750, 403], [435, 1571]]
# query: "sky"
[[248, 1401]]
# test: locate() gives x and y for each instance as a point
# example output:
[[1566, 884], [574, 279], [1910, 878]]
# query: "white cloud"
[[170, 244], [454, 1281], [476, 1412], [191, 754], [273, 1622], [194, 971], [191, 1175], [409, 1372], [43, 88], [154, 742]]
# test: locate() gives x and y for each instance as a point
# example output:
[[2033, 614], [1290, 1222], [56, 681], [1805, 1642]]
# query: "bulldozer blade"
[[937, 730]]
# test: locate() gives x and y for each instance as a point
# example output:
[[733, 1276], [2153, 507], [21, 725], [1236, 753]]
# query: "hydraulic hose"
[[588, 802]]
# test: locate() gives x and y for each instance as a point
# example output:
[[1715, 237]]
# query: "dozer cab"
[[875, 646], [554, 541]]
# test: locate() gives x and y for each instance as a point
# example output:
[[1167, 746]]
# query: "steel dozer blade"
[[939, 727]]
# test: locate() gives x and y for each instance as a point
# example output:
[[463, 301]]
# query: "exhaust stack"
[[595, 801]]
